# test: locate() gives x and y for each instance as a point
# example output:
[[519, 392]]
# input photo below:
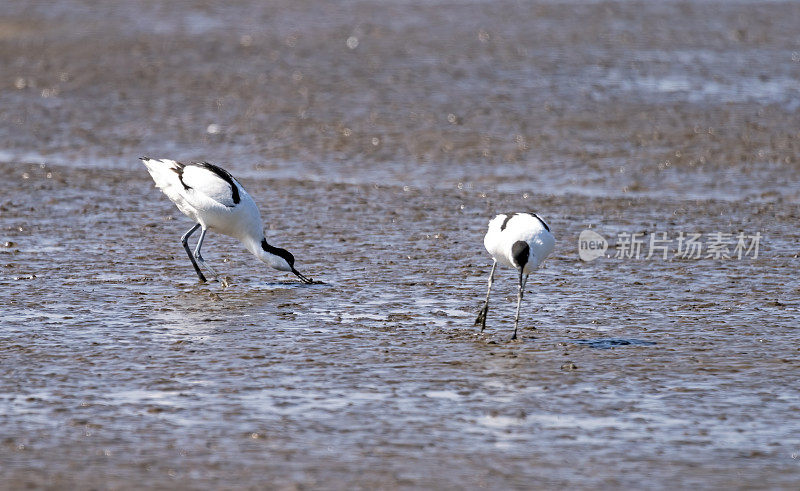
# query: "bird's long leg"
[[481, 320], [185, 242], [522, 281], [197, 252]]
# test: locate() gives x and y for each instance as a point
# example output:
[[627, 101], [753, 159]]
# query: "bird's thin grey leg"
[[185, 242], [522, 282], [197, 252], [481, 320]]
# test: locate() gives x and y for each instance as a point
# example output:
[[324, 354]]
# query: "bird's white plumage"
[[508, 228], [517, 240], [205, 184], [207, 198], [214, 199]]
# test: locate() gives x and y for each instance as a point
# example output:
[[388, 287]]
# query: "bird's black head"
[[282, 253], [520, 251], [287, 257]]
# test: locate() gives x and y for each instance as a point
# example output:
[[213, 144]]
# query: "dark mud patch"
[[608, 343]]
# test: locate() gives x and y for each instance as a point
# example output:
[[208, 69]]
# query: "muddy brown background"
[[379, 137]]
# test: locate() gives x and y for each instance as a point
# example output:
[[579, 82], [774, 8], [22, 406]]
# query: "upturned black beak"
[[304, 279]]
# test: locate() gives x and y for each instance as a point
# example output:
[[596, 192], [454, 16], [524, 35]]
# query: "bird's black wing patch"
[[542, 221], [178, 169], [520, 251], [509, 216], [224, 175]]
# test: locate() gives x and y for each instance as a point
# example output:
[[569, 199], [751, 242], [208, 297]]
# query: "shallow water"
[[117, 367]]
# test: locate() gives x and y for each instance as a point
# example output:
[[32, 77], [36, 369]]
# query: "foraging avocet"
[[214, 199], [518, 240]]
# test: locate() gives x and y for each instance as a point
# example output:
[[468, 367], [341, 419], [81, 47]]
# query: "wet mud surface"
[[378, 139]]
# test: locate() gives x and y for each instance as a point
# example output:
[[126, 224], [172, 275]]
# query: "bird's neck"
[[255, 246]]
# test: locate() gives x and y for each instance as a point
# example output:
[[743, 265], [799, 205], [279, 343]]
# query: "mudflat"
[[378, 139]]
